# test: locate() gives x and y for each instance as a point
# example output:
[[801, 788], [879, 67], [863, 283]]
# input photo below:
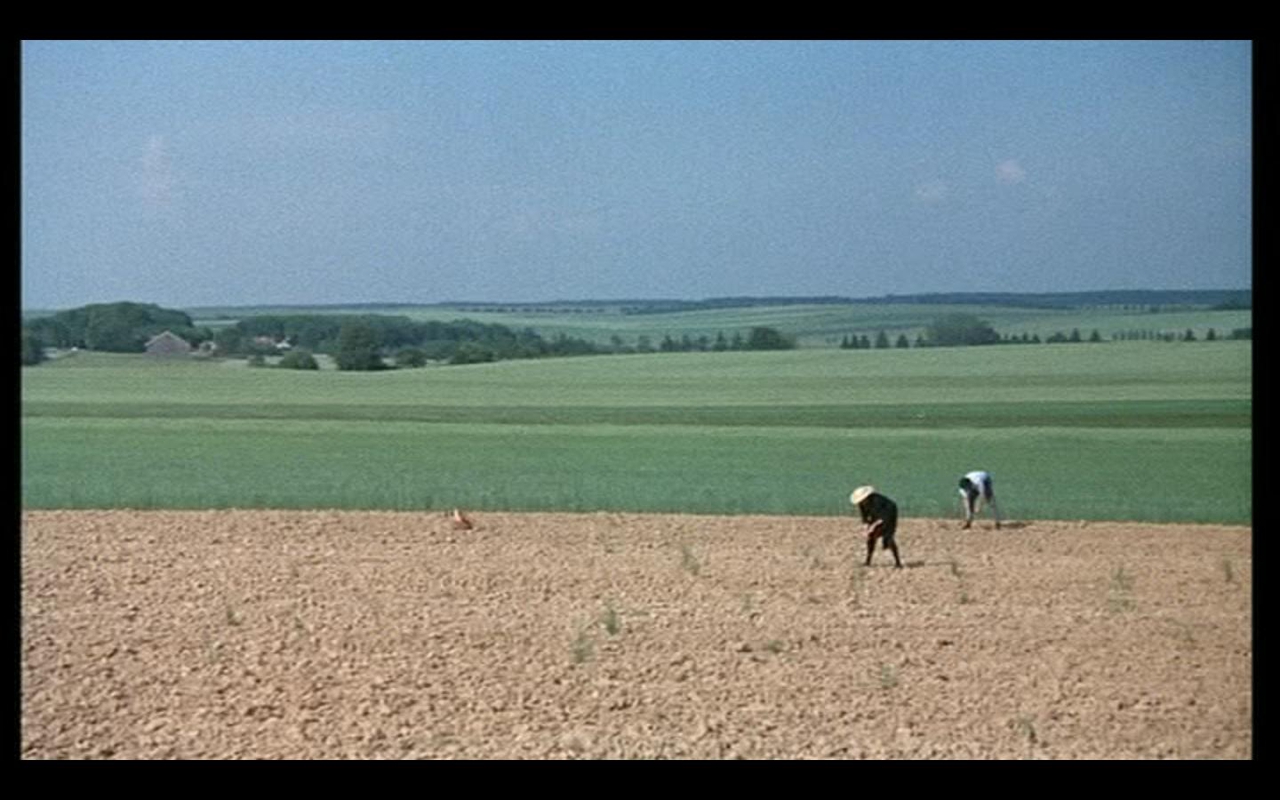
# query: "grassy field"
[[1141, 431]]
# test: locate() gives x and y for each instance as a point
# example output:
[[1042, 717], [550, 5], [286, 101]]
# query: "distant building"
[[269, 341], [167, 344]]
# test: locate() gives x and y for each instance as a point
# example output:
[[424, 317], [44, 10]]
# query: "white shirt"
[[981, 481]]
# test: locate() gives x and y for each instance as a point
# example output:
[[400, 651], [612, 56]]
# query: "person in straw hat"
[[881, 517], [974, 488]]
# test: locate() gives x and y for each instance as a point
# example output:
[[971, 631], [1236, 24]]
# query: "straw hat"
[[861, 493]]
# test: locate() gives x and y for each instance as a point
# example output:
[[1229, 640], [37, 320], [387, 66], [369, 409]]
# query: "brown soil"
[[263, 634]]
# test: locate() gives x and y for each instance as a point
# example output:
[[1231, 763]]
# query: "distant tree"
[[954, 330], [32, 349], [411, 357], [228, 340], [1189, 336], [1058, 337], [358, 347], [668, 344], [1035, 338], [920, 340], [864, 343], [472, 353], [903, 342], [882, 340], [1212, 335], [764, 338], [1095, 336], [1242, 333], [562, 345], [721, 344], [1075, 335], [299, 358], [644, 345]]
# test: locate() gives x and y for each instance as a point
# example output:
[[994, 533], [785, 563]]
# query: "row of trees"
[[855, 342], [363, 342], [355, 341], [950, 330], [957, 330], [757, 338], [362, 346], [1170, 336]]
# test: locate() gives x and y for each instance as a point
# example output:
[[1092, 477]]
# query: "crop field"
[[390, 635], [1140, 431]]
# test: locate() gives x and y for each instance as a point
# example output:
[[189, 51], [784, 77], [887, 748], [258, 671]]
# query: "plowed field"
[[264, 634]]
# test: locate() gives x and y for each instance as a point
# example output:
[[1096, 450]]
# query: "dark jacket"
[[877, 506]]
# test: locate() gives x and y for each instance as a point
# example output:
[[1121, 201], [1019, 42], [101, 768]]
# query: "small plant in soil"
[[582, 646], [1121, 585], [612, 623], [1025, 724], [688, 560], [888, 676]]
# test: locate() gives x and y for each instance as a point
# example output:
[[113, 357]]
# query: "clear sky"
[[296, 172]]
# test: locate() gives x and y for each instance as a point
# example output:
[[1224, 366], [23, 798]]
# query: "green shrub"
[[411, 357], [300, 358]]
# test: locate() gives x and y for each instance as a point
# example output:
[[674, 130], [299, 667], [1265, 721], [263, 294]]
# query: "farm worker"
[[881, 517], [974, 488]]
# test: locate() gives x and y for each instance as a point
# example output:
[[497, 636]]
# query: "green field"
[[1135, 430]]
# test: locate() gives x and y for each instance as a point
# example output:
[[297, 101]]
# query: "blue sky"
[[237, 173]]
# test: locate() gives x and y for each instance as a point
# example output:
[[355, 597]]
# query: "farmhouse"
[[167, 344]]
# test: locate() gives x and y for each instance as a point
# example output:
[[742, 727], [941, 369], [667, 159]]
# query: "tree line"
[[962, 330], [366, 341], [760, 337], [354, 341]]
